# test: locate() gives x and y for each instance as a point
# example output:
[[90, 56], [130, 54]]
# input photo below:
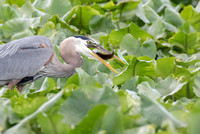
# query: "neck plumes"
[[68, 53]]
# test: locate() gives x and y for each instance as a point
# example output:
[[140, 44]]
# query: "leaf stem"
[[53, 125], [134, 68], [188, 90], [186, 44]]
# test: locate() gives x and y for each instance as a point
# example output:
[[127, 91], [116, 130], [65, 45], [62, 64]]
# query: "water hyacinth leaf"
[[194, 21], [53, 7], [24, 107], [90, 66], [82, 100], [85, 78], [51, 124], [169, 86], [130, 103], [48, 30], [155, 31], [100, 114], [100, 24], [194, 119], [145, 89], [18, 25], [116, 36], [23, 34], [165, 66], [27, 10], [4, 114], [147, 129], [73, 80], [128, 9], [148, 48], [145, 68], [187, 28], [156, 113], [151, 15], [82, 17], [17, 2], [187, 42], [6, 13], [130, 84], [44, 107], [188, 13], [140, 12], [196, 86], [130, 44], [103, 79], [172, 17], [127, 73], [138, 33]]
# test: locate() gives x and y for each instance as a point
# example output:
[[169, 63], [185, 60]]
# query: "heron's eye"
[[89, 42]]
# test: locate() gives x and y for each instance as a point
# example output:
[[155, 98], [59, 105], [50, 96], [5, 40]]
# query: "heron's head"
[[91, 49]]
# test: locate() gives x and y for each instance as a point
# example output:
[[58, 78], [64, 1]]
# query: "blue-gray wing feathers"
[[24, 57]]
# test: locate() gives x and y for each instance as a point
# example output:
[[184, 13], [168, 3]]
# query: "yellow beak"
[[104, 62]]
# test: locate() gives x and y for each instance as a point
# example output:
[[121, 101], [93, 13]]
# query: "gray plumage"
[[19, 59]]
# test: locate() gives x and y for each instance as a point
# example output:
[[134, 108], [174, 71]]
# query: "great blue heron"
[[27, 59]]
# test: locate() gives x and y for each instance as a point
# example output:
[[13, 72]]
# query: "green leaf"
[[127, 73], [196, 85], [85, 78], [193, 119], [148, 48], [53, 7], [172, 17], [52, 124], [100, 24], [17, 2], [18, 25], [100, 114], [145, 67], [147, 129], [145, 89], [24, 107], [5, 111], [156, 113], [47, 105], [138, 33], [155, 31], [48, 30], [165, 66], [82, 17], [82, 100], [188, 12], [130, 84], [6, 13], [116, 36], [130, 44], [169, 86], [73, 80], [151, 15], [187, 42]]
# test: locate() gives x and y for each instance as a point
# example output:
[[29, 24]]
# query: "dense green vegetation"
[[157, 91]]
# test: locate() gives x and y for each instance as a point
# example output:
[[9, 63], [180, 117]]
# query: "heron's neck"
[[70, 56], [59, 69]]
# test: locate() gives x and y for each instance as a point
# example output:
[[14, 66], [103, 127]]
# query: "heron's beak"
[[103, 61], [104, 55]]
